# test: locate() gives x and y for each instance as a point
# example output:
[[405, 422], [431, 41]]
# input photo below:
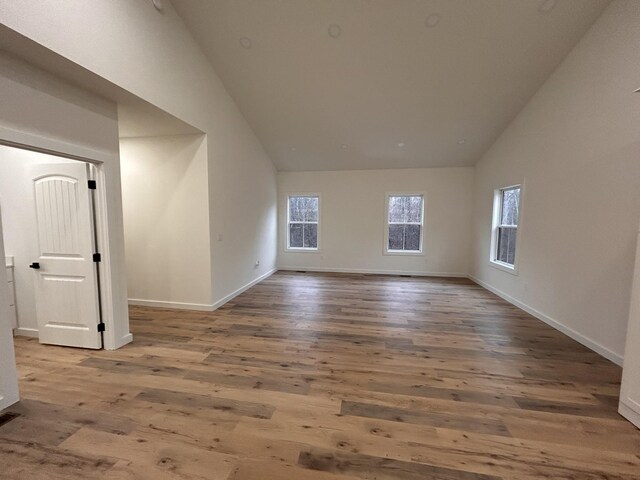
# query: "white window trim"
[[287, 248], [495, 224], [385, 248]]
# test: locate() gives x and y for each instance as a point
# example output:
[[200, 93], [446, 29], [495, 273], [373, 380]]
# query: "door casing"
[[8, 373], [57, 148]]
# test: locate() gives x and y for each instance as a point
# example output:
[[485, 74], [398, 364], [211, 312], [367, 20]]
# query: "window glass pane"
[[396, 234], [412, 237], [303, 209], [510, 206], [396, 209], [310, 235], [310, 209], [296, 209], [501, 251], [404, 208], [295, 235], [414, 209], [506, 245]]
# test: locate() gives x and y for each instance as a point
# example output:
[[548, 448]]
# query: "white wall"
[[353, 220], [42, 111], [576, 146], [166, 220], [20, 227], [153, 55]]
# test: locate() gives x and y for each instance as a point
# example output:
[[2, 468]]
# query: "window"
[[404, 223], [505, 226], [303, 212]]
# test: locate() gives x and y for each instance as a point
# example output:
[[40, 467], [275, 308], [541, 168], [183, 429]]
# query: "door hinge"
[[92, 184], [101, 327], [97, 257]]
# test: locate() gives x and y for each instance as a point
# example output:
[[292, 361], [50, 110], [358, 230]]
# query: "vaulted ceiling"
[[362, 84]]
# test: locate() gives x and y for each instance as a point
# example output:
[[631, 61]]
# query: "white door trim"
[[9, 393], [58, 148], [630, 389]]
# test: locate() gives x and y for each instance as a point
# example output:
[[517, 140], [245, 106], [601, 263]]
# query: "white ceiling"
[[444, 93]]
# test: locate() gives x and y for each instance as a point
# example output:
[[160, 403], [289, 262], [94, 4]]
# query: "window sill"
[[401, 253], [505, 267], [302, 250]]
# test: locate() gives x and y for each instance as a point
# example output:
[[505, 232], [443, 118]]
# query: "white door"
[[67, 303], [8, 374]]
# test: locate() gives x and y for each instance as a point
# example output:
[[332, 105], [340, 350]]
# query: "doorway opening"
[[52, 246]]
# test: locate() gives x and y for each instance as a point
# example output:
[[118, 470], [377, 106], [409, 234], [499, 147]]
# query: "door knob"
[[35, 266]]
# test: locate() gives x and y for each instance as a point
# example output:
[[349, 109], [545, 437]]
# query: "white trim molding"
[[288, 222], [372, 272], [496, 225], [242, 289], [26, 332], [387, 224], [164, 304], [505, 267], [51, 146], [127, 338], [578, 337], [203, 307], [631, 414]]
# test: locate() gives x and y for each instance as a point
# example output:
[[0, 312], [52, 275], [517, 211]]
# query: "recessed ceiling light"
[[546, 6], [158, 5], [344, 146], [334, 31], [461, 141], [637, 91], [401, 144], [432, 20], [245, 42]]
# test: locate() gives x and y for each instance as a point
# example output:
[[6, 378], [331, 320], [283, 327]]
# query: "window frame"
[[385, 249], [287, 238], [496, 225]]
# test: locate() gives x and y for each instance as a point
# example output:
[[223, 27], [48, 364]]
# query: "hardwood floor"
[[324, 377]]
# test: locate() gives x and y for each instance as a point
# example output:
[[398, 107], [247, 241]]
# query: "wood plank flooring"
[[324, 377]]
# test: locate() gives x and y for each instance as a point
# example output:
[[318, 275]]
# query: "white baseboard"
[[373, 271], [26, 332], [200, 306], [578, 337], [128, 338], [246, 287], [177, 305], [630, 414]]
